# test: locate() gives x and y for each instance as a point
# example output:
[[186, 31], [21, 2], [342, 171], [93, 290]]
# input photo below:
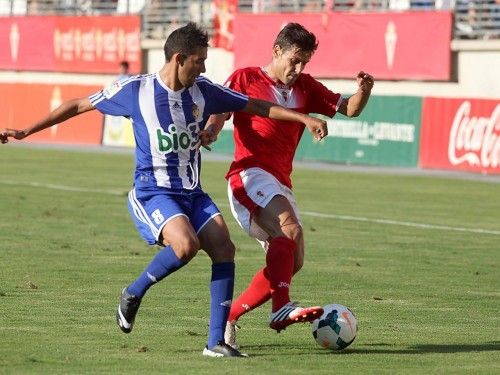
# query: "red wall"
[[23, 104]]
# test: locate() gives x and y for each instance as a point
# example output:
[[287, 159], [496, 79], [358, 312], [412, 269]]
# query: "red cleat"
[[291, 314]]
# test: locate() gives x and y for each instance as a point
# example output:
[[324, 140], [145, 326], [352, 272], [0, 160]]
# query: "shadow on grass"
[[432, 348], [383, 348]]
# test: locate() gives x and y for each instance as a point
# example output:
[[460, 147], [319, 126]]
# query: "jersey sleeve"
[[237, 82], [116, 99], [223, 99], [321, 100]]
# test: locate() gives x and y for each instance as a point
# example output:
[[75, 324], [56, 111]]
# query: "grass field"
[[417, 259]]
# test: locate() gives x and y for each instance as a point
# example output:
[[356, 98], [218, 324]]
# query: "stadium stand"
[[474, 19]]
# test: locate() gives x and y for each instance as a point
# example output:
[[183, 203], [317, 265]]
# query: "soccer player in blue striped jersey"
[[169, 111]]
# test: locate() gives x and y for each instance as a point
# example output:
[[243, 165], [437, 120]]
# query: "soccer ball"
[[336, 329]]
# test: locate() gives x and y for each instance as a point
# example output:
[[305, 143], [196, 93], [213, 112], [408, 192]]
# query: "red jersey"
[[271, 144]]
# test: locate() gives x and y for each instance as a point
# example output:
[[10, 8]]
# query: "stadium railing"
[[473, 19]]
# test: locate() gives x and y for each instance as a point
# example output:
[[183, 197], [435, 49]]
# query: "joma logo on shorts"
[[175, 141]]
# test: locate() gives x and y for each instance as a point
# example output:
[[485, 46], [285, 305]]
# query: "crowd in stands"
[[474, 19]]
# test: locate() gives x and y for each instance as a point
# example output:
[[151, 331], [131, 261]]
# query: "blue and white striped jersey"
[[166, 125]]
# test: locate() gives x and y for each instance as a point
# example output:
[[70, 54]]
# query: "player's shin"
[[280, 260], [163, 264], [221, 294], [258, 292]]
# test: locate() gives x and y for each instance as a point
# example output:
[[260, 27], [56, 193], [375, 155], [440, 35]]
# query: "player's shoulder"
[[305, 78], [120, 84], [135, 79], [246, 76], [308, 83], [252, 72], [131, 80], [202, 80], [206, 85]]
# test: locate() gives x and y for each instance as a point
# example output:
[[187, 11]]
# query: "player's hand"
[[5, 134], [317, 127], [365, 81], [207, 137]]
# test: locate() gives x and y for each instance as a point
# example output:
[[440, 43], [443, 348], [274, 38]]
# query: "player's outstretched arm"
[[65, 111], [354, 105], [262, 108]]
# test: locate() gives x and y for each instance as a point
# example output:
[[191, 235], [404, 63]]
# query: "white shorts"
[[254, 188]]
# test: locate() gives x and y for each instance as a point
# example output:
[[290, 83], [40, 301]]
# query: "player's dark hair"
[[185, 40], [295, 35], [124, 64]]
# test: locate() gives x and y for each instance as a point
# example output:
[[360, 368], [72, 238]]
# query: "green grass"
[[427, 299]]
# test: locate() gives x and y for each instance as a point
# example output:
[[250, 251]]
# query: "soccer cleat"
[[291, 313], [222, 350], [230, 334], [127, 309]]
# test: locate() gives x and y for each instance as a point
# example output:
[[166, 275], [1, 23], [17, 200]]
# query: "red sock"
[[258, 292], [279, 260]]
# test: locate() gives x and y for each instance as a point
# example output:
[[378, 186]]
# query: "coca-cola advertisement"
[[91, 44], [461, 134]]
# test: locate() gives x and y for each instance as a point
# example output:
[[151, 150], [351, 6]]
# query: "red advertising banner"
[[23, 104], [461, 134], [406, 45], [70, 44]]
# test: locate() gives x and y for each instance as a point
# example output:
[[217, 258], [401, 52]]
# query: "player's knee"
[[294, 232], [187, 248], [225, 251]]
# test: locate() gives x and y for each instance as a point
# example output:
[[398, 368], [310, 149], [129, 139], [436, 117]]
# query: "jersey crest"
[[196, 111]]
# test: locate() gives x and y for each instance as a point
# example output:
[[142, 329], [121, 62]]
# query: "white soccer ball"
[[336, 329]]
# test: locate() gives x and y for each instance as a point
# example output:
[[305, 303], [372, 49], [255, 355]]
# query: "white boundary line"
[[66, 188], [401, 223], [303, 213]]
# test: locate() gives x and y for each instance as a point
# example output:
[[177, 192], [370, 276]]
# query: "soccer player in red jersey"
[[259, 178]]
